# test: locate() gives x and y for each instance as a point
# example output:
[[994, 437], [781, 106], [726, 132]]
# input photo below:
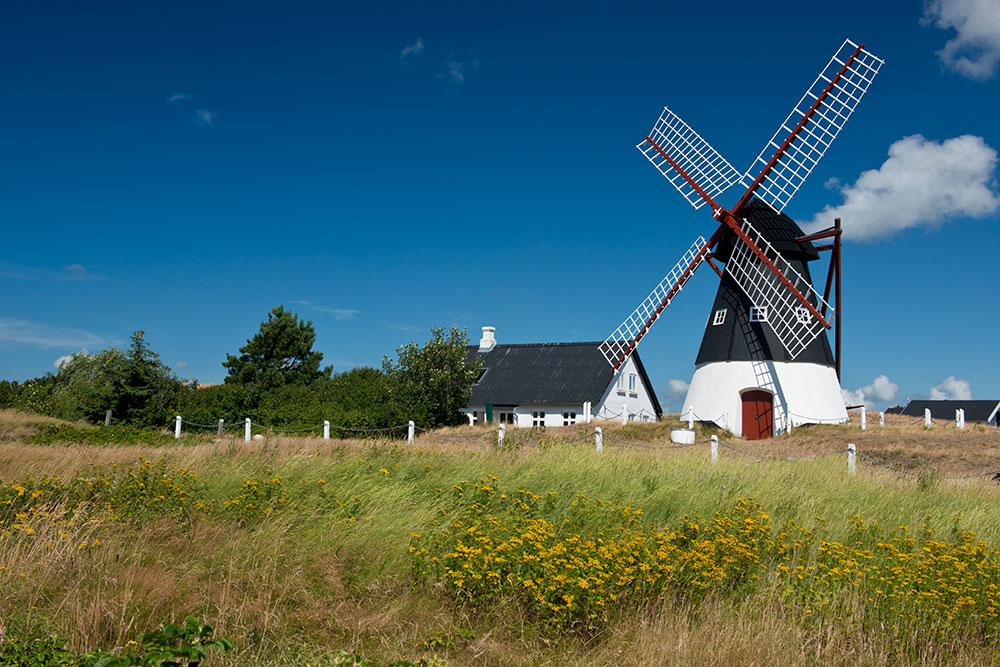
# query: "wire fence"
[[261, 428], [457, 437], [499, 434]]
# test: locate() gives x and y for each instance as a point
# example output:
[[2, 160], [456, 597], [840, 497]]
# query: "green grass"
[[299, 576]]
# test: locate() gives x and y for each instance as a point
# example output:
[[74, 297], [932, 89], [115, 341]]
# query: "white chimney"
[[488, 341]]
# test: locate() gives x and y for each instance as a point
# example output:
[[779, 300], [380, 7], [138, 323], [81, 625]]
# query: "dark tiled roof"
[[975, 411], [546, 374]]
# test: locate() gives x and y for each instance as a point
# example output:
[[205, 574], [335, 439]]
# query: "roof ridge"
[[573, 343]]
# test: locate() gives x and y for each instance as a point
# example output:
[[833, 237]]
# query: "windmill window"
[[569, 418], [538, 419], [720, 317], [802, 314], [758, 313]]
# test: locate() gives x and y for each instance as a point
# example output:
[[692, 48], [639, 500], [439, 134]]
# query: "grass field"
[[455, 551]]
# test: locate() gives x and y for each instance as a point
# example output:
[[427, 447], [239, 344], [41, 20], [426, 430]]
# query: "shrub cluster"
[[571, 568], [275, 380]]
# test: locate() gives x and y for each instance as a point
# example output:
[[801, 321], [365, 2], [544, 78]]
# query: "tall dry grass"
[[294, 587]]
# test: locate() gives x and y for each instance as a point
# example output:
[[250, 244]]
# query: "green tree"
[[433, 382], [134, 384], [279, 354]]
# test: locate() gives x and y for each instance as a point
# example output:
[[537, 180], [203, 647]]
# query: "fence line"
[[599, 436]]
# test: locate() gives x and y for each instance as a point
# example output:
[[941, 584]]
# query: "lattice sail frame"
[[838, 89], [620, 344], [791, 322], [672, 136]]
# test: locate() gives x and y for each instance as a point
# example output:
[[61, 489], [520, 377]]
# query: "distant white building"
[[556, 384]]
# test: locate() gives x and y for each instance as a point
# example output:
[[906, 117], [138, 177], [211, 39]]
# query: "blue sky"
[[183, 167]]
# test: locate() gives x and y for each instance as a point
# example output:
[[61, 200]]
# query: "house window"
[[569, 418], [475, 417], [506, 417], [621, 383], [802, 314], [720, 317], [538, 419], [631, 382], [482, 372], [758, 313]]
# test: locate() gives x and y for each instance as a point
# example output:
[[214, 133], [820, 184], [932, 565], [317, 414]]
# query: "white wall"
[[523, 414], [638, 403], [803, 393]]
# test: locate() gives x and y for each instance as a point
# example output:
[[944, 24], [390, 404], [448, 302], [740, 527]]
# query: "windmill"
[[765, 361]]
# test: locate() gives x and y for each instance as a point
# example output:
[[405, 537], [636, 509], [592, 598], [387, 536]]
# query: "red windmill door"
[[758, 415]]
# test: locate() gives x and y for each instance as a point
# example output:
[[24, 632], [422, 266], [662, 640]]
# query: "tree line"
[[277, 379]]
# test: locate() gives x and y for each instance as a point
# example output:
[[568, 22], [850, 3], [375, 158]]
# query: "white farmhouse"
[[556, 384]]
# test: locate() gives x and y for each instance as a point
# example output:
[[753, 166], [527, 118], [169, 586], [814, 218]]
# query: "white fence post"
[[881, 419], [246, 430], [326, 429], [599, 439], [624, 413], [715, 449], [852, 465], [177, 427], [500, 434], [963, 417], [221, 421], [864, 418], [927, 417], [107, 417], [588, 411], [410, 427]]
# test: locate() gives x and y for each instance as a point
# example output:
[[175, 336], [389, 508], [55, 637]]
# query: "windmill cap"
[[779, 230]]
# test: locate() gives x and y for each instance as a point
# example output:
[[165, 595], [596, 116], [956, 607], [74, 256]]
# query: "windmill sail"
[[792, 322], [620, 344], [803, 138], [673, 140]]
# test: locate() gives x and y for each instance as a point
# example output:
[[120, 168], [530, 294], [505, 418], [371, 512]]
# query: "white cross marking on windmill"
[[778, 367]]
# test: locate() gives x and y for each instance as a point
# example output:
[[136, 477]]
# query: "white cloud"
[[456, 70], [71, 274], [412, 50], [205, 116], [923, 183], [880, 391], [677, 388], [950, 388], [58, 363], [341, 314], [180, 364], [35, 334], [178, 97], [974, 51], [676, 391], [409, 328]]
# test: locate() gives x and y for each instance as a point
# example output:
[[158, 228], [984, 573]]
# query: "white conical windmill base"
[[802, 393]]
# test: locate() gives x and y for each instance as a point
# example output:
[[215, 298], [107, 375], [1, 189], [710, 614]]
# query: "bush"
[[434, 381]]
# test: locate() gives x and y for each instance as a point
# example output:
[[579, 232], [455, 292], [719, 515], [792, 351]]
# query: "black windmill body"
[[765, 361], [737, 330]]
